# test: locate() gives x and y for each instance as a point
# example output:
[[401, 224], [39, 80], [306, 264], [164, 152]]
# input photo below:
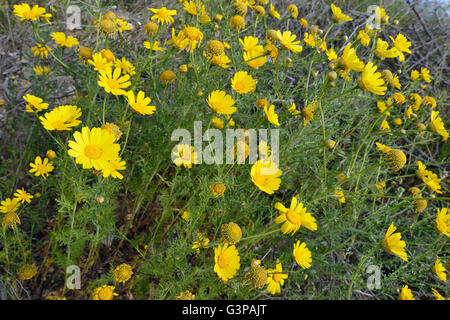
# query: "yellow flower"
[[243, 83], [186, 295], [382, 50], [93, 148], [125, 65], [99, 62], [437, 125], [439, 270], [168, 76], [202, 242], [437, 295], [294, 217], [287, 41], [221, 61], [226, 260], [140, 103], [425, 74], [25, 12], [217, 189], [293, 110], [193, 7], [442, 222], [416, 101], [350, 60], [273, 12], [61, 118], [41, 168], [41, 70], [402, 44], [399, 98], [9, 205], [41, 50], [34, 104], [415, 75], [112, 129], [27, 271], [153, 46], [293, 11], [185, 215], [113, 82], [265, 175], [10, 219], [221, 102], [253, 53], [308, 112], [163, 15], [331, 54], [122, 25], [364, 38], [23, 196], [371, 80], [64, 41], [430, 101], [112, 168], [339, 194], [104, 292], [237, 22], [302, 255], [392, 243], [338, 15], [271, 115], [122, 273], [184, 155], [275, 279], [406, 294], [304, 23], [231, 233], [194, 37], [218, 123], [385, 127]]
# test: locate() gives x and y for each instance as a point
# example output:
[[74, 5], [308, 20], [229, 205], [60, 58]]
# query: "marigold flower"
[[226, 260], [237, 22], [10, 219], [442, 222], [392, 243], [371, 80], [338, 15], [221, 102], [287, 41], [64, 41], [194, 37], [123, 273], [271, 115], [265, 175], [439, 270], [231, 232], [61, 118], [163, 15], [302, 255], [437, 125], [41, 167], [113, 82], [406, 294], [275, 279], [9, 205], [402, 45], [294, 217], [257, 275], [273, 12], [94, 148], [104, 292], [243, 83], [183, 154], [22, 196], [140, 103], [186, 295], [167, 76], [34, 104]]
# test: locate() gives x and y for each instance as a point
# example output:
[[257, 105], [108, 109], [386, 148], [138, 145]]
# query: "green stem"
[[349, 292]]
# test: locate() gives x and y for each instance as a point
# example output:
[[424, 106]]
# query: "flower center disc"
[[222, 261], [93, 152], [293, 217]]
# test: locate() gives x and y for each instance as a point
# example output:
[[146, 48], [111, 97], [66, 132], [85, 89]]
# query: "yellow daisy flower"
[[243, 83], [294, 217], [338, 15], [271, 115], [392, 243], [402, 44], [64, 41], [265, 175], [302, 255], [104, 292], [183, 154], [221, 102], [163, 15], [61, 118], [287, 41], [41, 167], [34, 104], [437, 125], [442, 222], [226, 260], [439, 270], [113, 82], [275, 279], [371, 80], [406, 294], [140, 103]]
